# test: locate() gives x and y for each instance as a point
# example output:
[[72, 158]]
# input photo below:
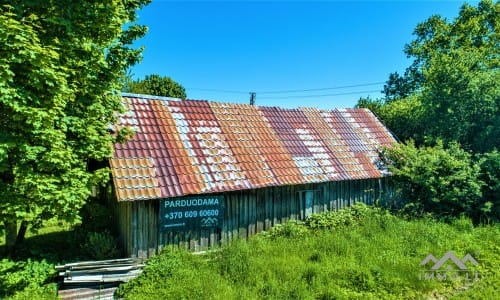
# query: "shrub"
[[17, 276], [436, 180], [489, 206], [344, 217], [100, 245], [290, 229]]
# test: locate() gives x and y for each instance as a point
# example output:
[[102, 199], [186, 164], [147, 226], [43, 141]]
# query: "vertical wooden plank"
[[252, 212], [353, 191], [293, 203], [134, 229], [347, 185], [300, 196], [259, 205], [140, 229], [226, 224], [279, 201], [268, 204], [130, 229], [325, 199], [332, 196], [285, 204], [204, 239], [161, 236], [235, 211], [243, 216], [362, 187], [152, 235], [276, 205]]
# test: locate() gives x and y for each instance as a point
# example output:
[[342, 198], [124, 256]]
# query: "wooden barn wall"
[[245, 214]]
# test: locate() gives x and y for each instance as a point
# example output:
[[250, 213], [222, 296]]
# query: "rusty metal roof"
[[197, 147]]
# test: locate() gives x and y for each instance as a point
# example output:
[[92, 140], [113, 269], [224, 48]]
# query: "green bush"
[[344, 217], [488, 209], [100, 245], [30, 275], [441, 181], [289, 229]]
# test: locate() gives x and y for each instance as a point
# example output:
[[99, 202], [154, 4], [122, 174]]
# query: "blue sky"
[[221, 51]]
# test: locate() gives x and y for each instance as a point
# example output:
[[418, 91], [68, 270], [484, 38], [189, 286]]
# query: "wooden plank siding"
[[246, 213]]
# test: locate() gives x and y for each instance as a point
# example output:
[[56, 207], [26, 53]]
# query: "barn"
[[199, 173]]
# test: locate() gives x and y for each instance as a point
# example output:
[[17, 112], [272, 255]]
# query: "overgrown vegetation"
[[31, 274], [359, 252], [445, 109]]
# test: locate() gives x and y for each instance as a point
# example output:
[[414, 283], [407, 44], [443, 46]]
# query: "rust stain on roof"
[[196, 147]]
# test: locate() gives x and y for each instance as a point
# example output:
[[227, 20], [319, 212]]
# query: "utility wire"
[[218, 91], [322, 95], [321, 89], [290, 91]]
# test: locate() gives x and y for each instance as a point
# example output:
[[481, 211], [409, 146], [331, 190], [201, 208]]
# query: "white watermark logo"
[[449, 267]]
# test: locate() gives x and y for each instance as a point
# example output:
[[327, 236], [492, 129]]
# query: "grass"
[[376, 256], [355, 253]]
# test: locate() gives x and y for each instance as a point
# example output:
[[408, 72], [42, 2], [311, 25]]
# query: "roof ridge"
[[300, 108]]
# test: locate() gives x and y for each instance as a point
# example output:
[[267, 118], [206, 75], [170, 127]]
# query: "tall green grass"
[[357, 253]]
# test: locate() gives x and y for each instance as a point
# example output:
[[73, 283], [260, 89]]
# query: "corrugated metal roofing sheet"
[[195, 147]]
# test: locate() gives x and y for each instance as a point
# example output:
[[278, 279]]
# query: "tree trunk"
[[21, 233], [10, 235]]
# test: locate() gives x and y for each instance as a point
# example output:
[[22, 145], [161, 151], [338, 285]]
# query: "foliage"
[[454, 77], [28, 277], [289, 229], [100, 246], [443, 182], [32, 275], [177, 274], [60, 67], [379, 258], [489, 207], [400, 87], [404, 117], [331, 220], [156, 85], [374, 105]]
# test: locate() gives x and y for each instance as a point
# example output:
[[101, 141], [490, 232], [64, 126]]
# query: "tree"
[[156, 85], [459, 64], [61, 65], [402, 116], [399, 87]]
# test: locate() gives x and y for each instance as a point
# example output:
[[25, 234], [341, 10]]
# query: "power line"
[[322, 89], [217, 91], [322, 95], [289, 91]]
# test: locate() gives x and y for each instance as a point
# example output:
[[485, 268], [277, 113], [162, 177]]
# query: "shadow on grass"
[[54, 247]]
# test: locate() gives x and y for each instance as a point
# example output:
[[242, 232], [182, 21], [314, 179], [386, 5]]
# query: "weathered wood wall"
[[246, 213]]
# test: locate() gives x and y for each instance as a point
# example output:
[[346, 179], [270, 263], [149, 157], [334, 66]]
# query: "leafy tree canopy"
[[460, 62], [455, 77], [156, 85], [61, 64]]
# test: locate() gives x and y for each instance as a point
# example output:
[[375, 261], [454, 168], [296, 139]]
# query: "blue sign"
[[202, 212]]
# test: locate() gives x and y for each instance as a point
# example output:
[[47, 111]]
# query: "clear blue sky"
[[263, 46]]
